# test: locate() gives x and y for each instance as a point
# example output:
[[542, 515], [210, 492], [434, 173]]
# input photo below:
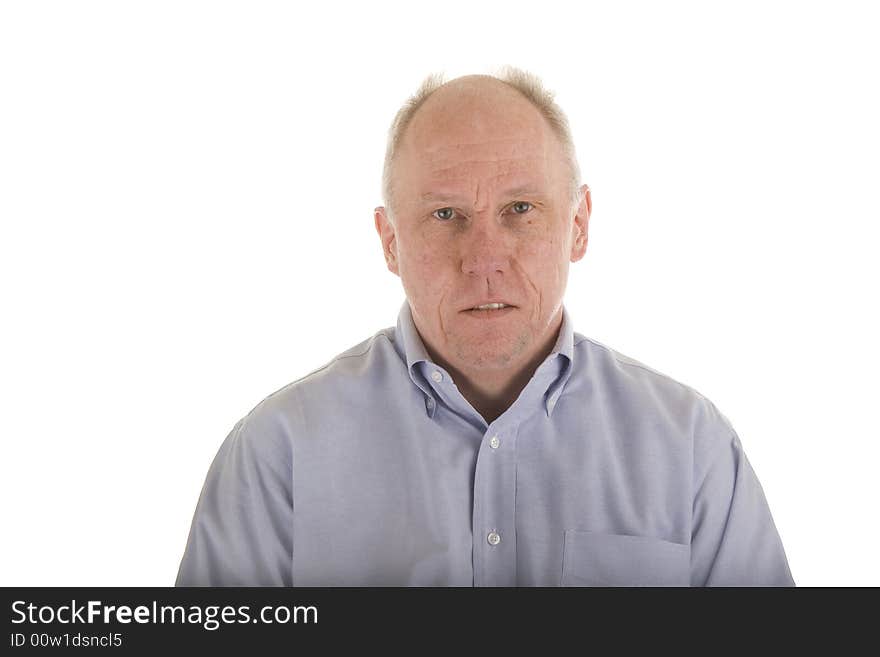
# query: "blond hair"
[[528, 84]]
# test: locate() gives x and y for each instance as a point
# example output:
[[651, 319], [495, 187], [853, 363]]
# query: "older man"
[[482, 441]]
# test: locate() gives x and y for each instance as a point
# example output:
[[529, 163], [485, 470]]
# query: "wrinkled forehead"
[[468, 156], [460, 158]]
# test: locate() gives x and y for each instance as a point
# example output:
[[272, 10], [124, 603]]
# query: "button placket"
[[494, 512]]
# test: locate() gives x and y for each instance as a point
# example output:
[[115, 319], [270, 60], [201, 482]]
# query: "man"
[[481, 441]]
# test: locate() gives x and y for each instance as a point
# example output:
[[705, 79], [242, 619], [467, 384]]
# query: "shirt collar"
[[559, 362]]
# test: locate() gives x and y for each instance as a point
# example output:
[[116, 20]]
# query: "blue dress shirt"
[[374, 470]]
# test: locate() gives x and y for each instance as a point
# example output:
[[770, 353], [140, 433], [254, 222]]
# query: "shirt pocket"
[[596, 559]]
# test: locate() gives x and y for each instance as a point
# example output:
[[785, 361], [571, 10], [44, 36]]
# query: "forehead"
[[466, 139], [451, 157]]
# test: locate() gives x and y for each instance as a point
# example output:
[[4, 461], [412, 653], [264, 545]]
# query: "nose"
[[485, 250]]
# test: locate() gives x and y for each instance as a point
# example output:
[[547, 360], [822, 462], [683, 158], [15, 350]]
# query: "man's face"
[[482, 212]]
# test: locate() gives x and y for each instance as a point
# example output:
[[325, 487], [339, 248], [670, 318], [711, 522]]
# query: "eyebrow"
[[524, 190]]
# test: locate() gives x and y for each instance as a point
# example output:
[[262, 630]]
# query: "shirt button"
[[436, 376], [493, 538], [494, 442]]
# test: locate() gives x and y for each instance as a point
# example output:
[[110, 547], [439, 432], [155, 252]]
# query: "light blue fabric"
[[369, 472]]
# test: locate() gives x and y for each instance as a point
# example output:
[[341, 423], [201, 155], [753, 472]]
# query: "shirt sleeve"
[[734, 540], [242, 528]]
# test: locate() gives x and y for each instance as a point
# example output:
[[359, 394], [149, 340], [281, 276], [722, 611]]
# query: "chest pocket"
[[596, 559]]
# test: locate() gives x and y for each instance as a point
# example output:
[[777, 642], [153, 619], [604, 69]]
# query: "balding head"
[[473, 101]]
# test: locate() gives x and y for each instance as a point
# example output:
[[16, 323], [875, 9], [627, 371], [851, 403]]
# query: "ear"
[[388, 237], [580, 224]]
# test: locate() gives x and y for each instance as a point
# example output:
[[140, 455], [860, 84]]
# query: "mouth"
[[489, 311]]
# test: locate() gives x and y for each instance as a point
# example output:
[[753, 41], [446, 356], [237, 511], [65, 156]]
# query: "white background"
[[186, 195]]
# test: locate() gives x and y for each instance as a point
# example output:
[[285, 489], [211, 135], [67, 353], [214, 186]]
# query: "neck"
[[491, 392]]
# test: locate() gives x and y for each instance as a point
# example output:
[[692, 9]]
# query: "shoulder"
[[655, 399], [354, 367], [271, 424]]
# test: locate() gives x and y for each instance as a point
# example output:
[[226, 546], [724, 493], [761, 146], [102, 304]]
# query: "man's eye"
[[521, 207], [444, 213]]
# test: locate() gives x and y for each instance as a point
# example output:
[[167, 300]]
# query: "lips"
[[485, 303], [489, 314]]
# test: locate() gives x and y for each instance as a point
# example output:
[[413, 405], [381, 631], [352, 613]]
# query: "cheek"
[[547, 258], [425, 272]]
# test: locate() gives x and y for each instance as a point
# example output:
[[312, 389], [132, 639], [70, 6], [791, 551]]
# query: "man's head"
[[483, 205]]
